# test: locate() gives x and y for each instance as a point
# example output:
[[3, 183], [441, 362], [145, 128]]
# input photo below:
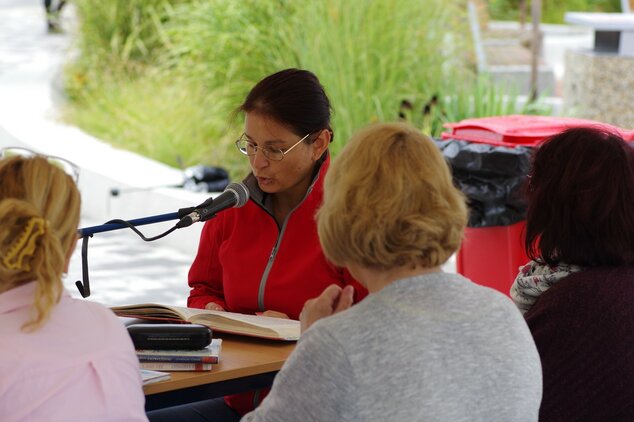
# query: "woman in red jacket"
[[265, 257]]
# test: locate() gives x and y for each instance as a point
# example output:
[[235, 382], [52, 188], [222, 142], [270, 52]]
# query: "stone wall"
[[599, 87]]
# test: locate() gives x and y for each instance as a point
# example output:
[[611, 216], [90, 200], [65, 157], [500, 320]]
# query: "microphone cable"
[[138, 232]]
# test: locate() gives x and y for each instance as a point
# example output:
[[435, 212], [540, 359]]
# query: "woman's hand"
[[273, 314], [333, 299], [213, 306]]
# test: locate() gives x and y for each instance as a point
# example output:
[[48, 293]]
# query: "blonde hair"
[[389, 202], [39, 210]]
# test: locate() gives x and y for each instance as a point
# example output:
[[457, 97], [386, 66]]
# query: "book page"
[[150, 310], [231, 322], [261, 326]]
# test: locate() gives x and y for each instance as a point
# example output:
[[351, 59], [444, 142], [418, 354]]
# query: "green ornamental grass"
[[163, 77]]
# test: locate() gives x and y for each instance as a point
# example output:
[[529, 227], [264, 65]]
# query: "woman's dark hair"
[[581, 200], [294, 98]]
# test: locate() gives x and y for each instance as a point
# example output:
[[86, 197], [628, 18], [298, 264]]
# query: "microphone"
[[234, 196]]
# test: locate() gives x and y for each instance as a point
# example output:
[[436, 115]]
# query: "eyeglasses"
[[69, 168], [247, 147]]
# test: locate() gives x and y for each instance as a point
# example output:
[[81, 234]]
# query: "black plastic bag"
[[206, 179], [492, 178]]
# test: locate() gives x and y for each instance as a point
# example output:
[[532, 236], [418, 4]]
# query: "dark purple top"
[[584, 331]]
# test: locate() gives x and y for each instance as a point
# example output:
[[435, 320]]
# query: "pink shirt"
[[80, 366]]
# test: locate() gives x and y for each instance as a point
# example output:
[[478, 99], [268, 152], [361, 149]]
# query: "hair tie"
[[24, 245]]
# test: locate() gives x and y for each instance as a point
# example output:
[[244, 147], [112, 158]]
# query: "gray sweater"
[[429, 348]]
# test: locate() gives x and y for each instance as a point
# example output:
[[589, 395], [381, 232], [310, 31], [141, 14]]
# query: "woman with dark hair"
[[265, 257], [577, 293]]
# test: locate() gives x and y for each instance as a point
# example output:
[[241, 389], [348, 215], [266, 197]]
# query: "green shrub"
[[118, 32], [368, 55], [162, 78], [469, 98], [371, 56], [553, 11], [169, 120], [228, 44], [115, 39]]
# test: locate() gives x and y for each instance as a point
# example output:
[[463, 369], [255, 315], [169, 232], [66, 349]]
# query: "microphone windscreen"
[[241, 192]]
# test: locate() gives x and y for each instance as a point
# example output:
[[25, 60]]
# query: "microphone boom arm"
[[89, 231], [235, 195]]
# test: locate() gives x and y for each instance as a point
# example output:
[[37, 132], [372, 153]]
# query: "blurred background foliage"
[[552, 10], [163, 77]]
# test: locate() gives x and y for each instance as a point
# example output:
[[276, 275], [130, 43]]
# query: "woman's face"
[[293, 173]]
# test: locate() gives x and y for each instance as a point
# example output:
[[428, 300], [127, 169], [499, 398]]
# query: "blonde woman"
[[424, 345], [61, 359]]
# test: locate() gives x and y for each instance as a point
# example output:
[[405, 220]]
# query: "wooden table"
[[245, 364]]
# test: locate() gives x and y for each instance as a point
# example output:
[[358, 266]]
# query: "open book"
[[228, 322]]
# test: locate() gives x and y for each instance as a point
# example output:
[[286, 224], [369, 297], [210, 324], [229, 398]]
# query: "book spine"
[[177, 359], [169, 366]]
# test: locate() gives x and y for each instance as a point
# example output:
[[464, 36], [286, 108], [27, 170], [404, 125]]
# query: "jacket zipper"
[[273, 254], [270, 262]]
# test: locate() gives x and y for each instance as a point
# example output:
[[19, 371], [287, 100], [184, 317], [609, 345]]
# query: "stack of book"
[[181, 360]]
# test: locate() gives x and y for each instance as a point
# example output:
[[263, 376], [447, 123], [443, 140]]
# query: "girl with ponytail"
[[60, 358]]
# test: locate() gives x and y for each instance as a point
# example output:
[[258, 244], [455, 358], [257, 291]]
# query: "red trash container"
[[492, 255]]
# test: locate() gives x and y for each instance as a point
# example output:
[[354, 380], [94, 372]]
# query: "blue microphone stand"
[[87, 232]]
